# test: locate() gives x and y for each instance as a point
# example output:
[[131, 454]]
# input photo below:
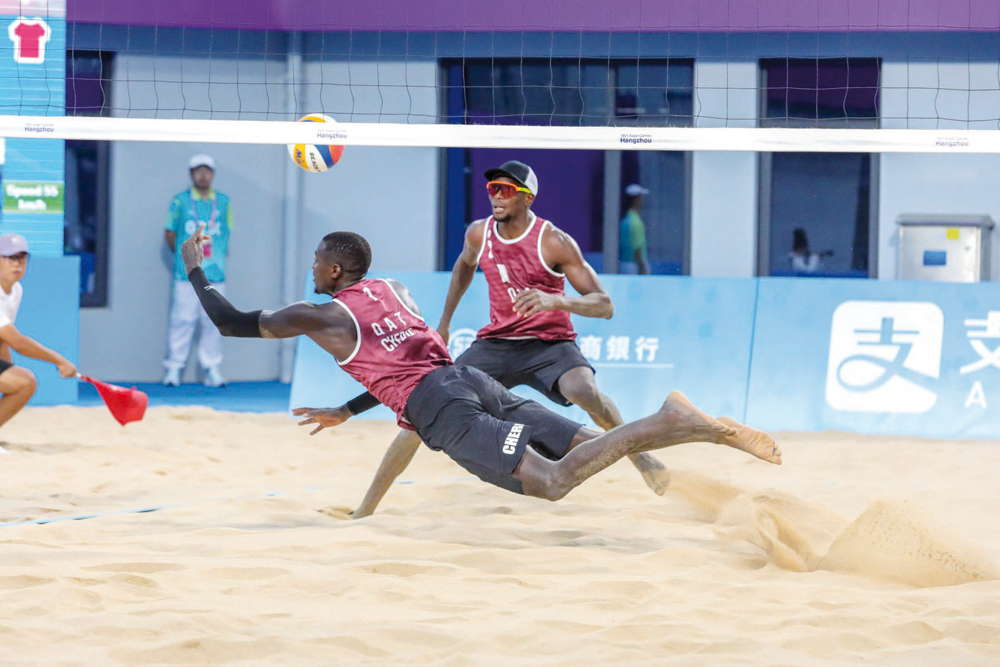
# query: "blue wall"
[[50, 313], [907, 358]]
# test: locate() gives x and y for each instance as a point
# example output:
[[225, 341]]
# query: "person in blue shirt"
[[198, 205], [632, 234]]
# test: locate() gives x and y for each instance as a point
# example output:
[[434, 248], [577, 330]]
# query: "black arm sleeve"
[[230, 322], [362, 403]]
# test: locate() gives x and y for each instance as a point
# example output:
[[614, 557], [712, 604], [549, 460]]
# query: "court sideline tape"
[[157, 508]]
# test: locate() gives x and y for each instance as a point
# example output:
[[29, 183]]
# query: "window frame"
[[98, 298]]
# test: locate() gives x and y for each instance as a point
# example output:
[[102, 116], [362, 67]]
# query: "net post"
[[291, 281]]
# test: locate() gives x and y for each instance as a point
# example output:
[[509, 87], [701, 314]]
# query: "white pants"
[[185, 313]]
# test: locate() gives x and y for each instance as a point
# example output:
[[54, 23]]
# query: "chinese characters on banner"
[[620, 348], [977, 332]]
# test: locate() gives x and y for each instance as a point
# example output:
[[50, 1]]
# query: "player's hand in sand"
[[322, 417], [192, 251], [532, 301]]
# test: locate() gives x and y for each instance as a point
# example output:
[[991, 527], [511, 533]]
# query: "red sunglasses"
[[504, 189]]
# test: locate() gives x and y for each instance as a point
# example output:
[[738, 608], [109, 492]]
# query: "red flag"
[[127, 405]]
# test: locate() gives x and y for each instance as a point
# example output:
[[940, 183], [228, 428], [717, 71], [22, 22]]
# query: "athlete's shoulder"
[[475, 238], [559, 246], [403, 294], [476, 229], [553, 235]]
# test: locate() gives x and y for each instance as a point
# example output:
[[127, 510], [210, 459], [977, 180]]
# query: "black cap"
[[518, 171]]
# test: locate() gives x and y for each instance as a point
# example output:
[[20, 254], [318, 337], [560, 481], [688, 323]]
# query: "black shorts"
[[483, 427], [4, 365], [536, 363]]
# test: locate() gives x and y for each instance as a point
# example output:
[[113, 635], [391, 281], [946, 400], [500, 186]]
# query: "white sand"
[[858, 550]]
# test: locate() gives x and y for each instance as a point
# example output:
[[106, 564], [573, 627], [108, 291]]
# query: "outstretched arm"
[[461, 275], [229, 320], [396, 458], [294, 320], [29, 347], [561, 252], [330, 417]]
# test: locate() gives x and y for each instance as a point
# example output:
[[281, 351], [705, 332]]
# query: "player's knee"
[[27, 381], [561, 483], [583, 394], [552, 491], [544, 479]]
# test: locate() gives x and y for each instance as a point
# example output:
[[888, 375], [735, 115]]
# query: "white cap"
[[201, 160], [635, 189], [12, 244]]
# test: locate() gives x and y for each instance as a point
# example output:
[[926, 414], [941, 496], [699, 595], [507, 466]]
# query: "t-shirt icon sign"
[[29, 37]]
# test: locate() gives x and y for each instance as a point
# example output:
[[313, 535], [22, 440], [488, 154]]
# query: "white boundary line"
[[520, 136]]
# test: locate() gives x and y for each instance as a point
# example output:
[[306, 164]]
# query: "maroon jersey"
[[395, 349], [514, 265]]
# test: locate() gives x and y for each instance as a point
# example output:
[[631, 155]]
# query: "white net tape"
[[504, 136]]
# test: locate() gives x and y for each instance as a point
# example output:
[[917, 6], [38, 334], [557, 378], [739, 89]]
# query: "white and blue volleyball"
[[315, 158]]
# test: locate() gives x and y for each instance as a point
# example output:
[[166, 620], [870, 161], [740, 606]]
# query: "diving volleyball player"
[[374, 331], [530, 339]]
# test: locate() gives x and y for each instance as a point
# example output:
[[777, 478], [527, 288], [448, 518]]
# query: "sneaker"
[[213, 379], [172, 378]]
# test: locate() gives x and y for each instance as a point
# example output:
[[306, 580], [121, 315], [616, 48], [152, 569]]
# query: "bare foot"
[[714, 430], [654, 473], [752, 441]]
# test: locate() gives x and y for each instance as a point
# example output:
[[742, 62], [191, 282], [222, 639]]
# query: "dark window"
[[88, 86], [574, 183], [818, 210], [820, 92], [656, 92], [536, 91]]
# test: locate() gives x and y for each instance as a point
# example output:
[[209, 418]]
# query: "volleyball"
[[315, 158]]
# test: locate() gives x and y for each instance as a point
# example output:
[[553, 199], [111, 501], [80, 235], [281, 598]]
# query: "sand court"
[[857, 549]]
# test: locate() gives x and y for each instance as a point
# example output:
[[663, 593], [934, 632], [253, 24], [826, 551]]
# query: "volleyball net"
[[886, 76]]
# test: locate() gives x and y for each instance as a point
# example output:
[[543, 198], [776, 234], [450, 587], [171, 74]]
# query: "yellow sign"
[[952, 233]]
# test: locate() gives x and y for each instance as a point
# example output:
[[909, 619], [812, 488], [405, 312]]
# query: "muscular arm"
[[331, 327], [462, 274], [562, 253]]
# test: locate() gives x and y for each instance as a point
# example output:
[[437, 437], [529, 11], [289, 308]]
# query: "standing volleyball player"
[[18, 384], [374, 330], [530, 339]]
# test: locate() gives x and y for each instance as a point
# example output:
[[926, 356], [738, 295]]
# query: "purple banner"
[[548, 15]]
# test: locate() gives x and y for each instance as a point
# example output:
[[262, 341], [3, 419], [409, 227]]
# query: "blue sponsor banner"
[[33, 83], [903, 357], [667, 333]]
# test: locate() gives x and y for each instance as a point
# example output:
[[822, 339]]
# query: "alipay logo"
[[884, 356]]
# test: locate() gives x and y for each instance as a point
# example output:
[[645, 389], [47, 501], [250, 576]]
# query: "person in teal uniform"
[[632, 234], [200, 204]]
